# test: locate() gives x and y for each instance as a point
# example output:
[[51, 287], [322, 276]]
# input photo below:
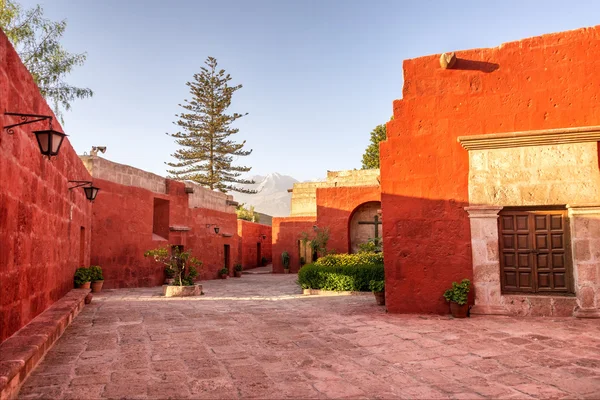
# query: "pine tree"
[[370, 159], [207, 151]]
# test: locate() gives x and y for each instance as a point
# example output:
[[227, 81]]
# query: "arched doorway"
[[365, 224]]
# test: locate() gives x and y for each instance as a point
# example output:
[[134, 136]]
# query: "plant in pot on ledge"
[[184, 268], [237, 270], [378, 289], [96, 277], [264, 261], [224, 273], [285, 260], [82, 278], [458, 296]]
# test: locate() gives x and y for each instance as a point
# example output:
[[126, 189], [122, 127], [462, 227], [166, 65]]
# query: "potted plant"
[[285, 260], [457, 296], [302, 262], [237, 270], [224, 273], [169, 276], [264, 261], [378, 289], [82, 278], [97, 278]]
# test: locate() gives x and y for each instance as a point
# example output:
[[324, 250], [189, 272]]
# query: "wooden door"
[[227, 253], [258, 255], [534, 251]]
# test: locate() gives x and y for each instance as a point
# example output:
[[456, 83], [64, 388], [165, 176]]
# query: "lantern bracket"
[[26, 119], [79, 184]]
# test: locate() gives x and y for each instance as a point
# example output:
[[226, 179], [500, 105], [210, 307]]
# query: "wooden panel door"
[[534, 254]]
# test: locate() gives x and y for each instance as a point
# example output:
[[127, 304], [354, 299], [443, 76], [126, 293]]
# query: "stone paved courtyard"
[[258, 337]]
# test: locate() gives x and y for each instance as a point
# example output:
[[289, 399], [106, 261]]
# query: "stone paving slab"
[[259, 337]]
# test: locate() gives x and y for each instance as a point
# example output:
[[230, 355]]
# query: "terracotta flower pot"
[[238, 274], [85, 285], [459, 311], [224, 276], [97, 286], [380, 298]]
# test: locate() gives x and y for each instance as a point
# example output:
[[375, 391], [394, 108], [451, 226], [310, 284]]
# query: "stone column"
[[585, 239], [486, 261]]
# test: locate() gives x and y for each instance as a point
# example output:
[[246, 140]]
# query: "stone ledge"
[[20, 353], [317, 292], [545, 137], [587, 313]]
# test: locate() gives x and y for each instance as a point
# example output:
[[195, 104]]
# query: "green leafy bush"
[[224, 271], [82, 275], [96, 273], [342, 272], [377, 286], [459, 292], [237, 267]]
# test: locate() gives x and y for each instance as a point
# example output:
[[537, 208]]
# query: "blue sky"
[[318, 76]]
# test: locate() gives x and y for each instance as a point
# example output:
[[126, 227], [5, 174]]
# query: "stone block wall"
[[44, 226], [537, 83]]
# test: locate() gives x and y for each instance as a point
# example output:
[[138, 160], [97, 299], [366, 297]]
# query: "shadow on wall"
[[472, 65]]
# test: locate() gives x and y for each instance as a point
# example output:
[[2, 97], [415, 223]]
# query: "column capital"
[[583, 209], [483, 211]]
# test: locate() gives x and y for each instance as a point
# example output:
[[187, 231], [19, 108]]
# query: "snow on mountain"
[[272, 197]]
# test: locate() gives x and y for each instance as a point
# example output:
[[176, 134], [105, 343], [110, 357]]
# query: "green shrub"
[[237, 267], [96, 273], [224, 271], [342, 272], [377, 286], [459, 292], [82, 275]]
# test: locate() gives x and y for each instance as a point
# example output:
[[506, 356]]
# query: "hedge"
[[342, 272]]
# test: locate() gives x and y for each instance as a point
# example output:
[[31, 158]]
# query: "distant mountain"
[[272, 197]]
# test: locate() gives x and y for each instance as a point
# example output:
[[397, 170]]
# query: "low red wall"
[[286, 232], [41, 220], [549, 81], [122, 232], [249, 235]]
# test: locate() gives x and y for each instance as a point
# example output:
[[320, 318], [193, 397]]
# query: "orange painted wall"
[[335, 206], [122, 232], [40, 218], [286, 232], [249, 234], [549, 81]]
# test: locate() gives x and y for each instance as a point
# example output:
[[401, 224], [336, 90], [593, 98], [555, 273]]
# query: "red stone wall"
[[122, 232], [335, 206], [549, 81], [40, 218], [286, 232], [249, 234]]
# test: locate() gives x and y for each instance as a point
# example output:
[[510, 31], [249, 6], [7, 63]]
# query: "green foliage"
[[224, 271], [351, 259], [37, 41], [207, 152], [373, 245], [343, 272], [182, 264], [377, 286], [96, 273], [82, 275], [302, 261], [238, 267], [285, 260], [370, 159], [169, 273], [318, 240], [247, 214], [459, 292]]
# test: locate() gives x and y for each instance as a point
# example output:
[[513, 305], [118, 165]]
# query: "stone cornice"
[[483, 211], [546, 137]]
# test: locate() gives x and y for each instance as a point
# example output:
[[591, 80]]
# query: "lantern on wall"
[[90, 190], [216, 227], [49, 140]]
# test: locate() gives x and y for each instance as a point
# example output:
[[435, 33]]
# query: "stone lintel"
[[545, 137], [179, 228], [483, 211]]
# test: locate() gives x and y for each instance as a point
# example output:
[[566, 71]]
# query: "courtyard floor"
[[258, 337]]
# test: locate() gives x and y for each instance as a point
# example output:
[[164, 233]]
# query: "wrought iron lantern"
[[90, 190], [216, 227], [49, 140]]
